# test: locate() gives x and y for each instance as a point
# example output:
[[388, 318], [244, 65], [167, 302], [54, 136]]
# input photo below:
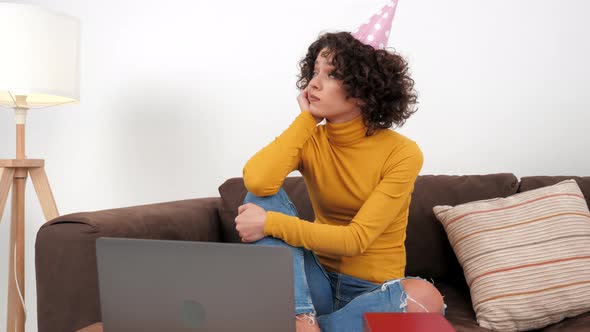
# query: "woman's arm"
[[375, 215], [265, 172]]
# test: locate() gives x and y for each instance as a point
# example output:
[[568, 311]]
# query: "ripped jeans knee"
[[405, 297]]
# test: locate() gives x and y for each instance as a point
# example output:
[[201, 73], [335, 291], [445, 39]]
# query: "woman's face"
[[330, 97]]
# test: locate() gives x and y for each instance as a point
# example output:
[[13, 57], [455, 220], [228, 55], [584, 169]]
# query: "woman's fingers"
[[243, 207], [303, 101]]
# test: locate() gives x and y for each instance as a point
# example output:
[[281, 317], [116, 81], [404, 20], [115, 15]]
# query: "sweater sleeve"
[[265, 172], [379, 211]]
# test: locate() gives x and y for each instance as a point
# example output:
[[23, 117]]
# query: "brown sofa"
[[67, 285]]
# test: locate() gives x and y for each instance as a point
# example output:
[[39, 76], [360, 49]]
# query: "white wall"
[[177, 95]]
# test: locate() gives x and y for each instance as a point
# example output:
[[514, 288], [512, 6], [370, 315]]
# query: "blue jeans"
[[338, 300]]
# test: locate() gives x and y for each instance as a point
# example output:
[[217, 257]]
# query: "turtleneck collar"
[[346, 133]]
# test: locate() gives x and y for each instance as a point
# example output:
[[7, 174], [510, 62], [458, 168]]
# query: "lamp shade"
[[39, 57]]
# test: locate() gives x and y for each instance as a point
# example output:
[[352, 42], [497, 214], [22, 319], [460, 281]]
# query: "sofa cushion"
[[428, 251], [233, 192], [526, 258]]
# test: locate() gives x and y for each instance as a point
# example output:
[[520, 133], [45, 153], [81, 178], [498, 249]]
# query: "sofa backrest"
[[429, 254], [533, 182]]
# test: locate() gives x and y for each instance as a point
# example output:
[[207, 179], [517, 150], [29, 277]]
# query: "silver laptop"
[[162, 285]]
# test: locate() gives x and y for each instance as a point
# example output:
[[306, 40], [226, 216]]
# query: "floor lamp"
[[39, 67]]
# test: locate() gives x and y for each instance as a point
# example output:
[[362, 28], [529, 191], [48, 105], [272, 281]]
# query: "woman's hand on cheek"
[[250, 222], [304, 105], [303, 101]]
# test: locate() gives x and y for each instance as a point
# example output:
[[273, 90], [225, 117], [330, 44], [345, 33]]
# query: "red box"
[[405, 322]]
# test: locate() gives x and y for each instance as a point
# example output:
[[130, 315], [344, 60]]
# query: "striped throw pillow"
[[526, 257]]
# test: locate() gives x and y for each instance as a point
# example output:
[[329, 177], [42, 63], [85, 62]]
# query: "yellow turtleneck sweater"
[[360, 188]]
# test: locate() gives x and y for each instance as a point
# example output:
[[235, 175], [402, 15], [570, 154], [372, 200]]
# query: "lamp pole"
[[13, 173], [16, 315]]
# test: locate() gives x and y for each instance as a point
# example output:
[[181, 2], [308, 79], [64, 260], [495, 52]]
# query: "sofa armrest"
[[65, 253]]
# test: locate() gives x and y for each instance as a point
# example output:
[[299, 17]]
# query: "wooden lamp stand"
[[13, 172]]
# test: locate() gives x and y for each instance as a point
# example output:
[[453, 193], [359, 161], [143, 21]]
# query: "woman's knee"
[[422, 296], [278, 202]]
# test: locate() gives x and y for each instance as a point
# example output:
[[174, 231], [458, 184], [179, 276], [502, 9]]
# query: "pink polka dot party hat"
[[375, 30]]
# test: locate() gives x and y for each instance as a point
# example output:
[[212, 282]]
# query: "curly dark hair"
[[379, 78]]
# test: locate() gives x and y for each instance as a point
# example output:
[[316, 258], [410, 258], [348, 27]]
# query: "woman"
[[360, 176]]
